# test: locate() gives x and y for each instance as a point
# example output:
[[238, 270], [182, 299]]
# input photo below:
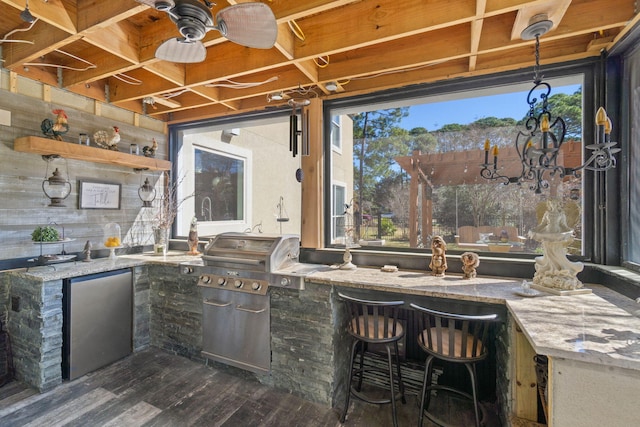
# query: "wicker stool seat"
[[373, 322], [454, 338]]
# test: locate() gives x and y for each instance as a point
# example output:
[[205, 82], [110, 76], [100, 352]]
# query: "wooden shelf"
[[68, 150]]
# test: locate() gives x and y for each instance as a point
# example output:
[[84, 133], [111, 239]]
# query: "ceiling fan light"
[[180, 50]]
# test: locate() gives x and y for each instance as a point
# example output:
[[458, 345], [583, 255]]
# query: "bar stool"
[[454, 338], [373, 322]]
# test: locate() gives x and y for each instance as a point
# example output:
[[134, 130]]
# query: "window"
[[416, 165], [339, 197], [632, 95], [336, 133], [237, 174]]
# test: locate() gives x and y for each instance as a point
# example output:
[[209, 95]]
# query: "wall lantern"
[[56, 187], [147, 193]]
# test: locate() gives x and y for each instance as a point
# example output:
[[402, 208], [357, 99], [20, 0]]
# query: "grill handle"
[[222, 259], [216, 303], [250, 310]]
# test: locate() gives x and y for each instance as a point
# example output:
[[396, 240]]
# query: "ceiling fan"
[[248, 24]]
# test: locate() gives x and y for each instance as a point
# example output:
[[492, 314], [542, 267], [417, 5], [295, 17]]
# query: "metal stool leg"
[[349, 377], [471, 367], [426, 394], [391, 387], [400, 383]]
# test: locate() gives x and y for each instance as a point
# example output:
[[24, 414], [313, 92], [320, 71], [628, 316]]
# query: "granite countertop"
[[99, 265], [482, 289], [602, 327]]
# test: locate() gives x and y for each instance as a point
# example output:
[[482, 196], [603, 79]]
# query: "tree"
[[377, 141]]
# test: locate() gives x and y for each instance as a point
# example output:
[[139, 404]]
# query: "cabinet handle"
[[250, 310], [216, 303]]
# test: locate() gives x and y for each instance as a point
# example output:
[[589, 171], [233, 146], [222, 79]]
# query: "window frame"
[[176, 131], [592, 88]]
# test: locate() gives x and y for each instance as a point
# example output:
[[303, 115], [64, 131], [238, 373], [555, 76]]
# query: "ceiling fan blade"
[[163, 5], [248, 24], [181, 50]]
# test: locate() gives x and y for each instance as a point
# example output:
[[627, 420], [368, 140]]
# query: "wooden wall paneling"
[[23, 205]]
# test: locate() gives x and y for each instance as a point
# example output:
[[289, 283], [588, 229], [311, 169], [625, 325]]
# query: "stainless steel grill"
[[235, 272]]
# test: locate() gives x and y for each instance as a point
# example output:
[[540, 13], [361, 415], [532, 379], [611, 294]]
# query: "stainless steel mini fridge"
[[97, 321]]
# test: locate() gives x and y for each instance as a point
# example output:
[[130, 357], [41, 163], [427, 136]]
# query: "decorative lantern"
[[56, 188], [147, 193]]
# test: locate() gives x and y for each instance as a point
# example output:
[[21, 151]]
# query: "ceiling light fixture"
[[26, 15], [276, 96], [331, 86], [540, 144]]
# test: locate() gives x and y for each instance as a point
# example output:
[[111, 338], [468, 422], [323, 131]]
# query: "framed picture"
[[98, 195]]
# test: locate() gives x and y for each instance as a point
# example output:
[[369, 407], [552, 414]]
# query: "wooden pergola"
[[458, 168]]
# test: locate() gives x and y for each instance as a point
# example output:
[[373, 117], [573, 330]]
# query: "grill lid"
[[256, 252]]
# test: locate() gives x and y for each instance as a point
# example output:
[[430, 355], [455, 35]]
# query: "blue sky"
[[434, 116]]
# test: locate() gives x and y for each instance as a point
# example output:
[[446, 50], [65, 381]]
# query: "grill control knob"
[[187, 270], [285, 281], [205, 279], [238, 283], [256, 286], [222, 281]]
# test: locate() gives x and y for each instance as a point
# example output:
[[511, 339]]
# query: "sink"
[[52, 259]]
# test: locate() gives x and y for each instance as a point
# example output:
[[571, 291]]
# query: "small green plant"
[[45, 234]]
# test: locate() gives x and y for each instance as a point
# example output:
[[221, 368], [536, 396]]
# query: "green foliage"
[[388, 227], [45, 234], [377, 141], [493, 122]]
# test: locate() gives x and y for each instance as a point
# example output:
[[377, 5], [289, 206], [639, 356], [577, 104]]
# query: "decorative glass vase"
[[161, 240], [112, 238]]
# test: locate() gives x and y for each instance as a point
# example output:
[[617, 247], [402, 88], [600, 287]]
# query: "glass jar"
[[112, 238]]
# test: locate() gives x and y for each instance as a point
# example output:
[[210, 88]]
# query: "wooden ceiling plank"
[[119, 39], [285, 42], [378, 22], [211, 93], [230, 60], [476, 32], [173, 72], [102, 14], [421, 50], [53, 12], [286, 10], [45, 40], [121, 91], [106, 66]]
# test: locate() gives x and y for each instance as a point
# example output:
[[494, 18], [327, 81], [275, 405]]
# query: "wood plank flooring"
[[154, 388]]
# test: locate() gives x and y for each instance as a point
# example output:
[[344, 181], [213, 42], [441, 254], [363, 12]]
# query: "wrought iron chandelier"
[[540, 143]]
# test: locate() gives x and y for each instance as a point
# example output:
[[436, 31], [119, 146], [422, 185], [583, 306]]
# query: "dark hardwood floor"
[[154, 388]]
